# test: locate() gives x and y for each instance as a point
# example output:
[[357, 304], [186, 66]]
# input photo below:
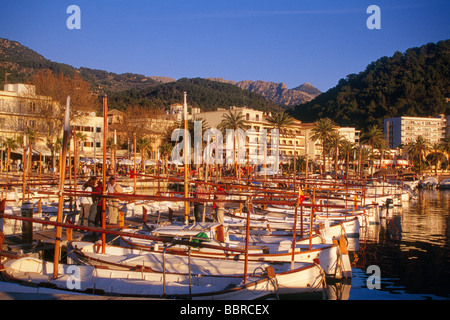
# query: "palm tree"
[[54, 147], [333, 147], [418, 150], [10, 144], [32, 137], [80, 138], [374, 137], [143, 145], [165, 150], [446, 148], [436, 155], [283, 122], [234, 121], [322, 131], [346, 148]]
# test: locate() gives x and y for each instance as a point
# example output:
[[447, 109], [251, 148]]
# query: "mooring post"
[[27, 226]]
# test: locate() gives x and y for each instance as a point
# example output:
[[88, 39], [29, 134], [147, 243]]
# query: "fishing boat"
[[329, 255], [298, 277], [444, 184], [113, 282], [429, 183]]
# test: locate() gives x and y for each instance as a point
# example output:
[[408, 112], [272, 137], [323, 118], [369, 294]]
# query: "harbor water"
[[406, 256]]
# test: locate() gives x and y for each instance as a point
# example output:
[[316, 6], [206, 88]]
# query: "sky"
[[293, 42]]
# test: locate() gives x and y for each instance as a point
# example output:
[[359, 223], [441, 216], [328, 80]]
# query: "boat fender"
[[270, 272]]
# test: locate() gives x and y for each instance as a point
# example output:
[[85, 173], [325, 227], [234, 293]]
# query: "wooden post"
[[312, 217], [247, 237], [186, 165], [105, 134], [294, 237], [62, 169], [134, 168]]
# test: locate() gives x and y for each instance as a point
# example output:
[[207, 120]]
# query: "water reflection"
[[411, 247]]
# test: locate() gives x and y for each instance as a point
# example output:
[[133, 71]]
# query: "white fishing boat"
[[429, 183], [105, 281], [444, 184], [298, 278], [329, 255]]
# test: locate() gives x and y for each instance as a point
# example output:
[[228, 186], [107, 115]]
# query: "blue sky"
[[291, 41]]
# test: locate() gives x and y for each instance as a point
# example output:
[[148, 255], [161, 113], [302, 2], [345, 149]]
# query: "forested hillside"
[[205, 94], [413, 83]]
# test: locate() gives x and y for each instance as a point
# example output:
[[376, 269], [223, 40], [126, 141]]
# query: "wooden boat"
[[105, 281], [329, 255], [298, 278]]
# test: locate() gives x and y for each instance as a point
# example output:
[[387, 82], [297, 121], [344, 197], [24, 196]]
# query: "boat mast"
[[62, 171], [186, 165], [105, 133]]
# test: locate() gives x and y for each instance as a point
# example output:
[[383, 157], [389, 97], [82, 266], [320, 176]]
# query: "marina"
[[304, 244]]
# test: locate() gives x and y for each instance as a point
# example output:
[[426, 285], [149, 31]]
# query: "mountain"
[[277, 92], [205, 94], [124, 89], [413, 83]]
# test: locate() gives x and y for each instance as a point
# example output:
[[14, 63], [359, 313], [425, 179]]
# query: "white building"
[[402, 130]]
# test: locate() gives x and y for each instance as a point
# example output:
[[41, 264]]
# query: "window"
[[98, 129]]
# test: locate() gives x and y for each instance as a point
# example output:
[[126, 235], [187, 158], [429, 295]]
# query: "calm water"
[[411, 249]]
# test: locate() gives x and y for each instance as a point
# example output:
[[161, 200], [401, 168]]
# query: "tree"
[[54, 145], [322, 131], [446, 148], [232, 120], [346, 148], [333, 147], [418, 150], [282, 121], [374, 137], [51, 92], [10, 144], [143, 145], [165, 150], [436, 155]]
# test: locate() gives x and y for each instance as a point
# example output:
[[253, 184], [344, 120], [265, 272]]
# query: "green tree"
[[346, 149], [10, 144], [283, 122], [375, 138], [323, 128], [143, 145], [232, 120], [418, 150], [436, 155]]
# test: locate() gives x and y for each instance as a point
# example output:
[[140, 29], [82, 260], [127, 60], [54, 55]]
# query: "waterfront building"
[[402, 130]]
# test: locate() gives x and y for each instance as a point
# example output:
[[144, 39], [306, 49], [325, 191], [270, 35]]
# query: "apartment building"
[[402, 130], [291, 143], [21, 108]]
